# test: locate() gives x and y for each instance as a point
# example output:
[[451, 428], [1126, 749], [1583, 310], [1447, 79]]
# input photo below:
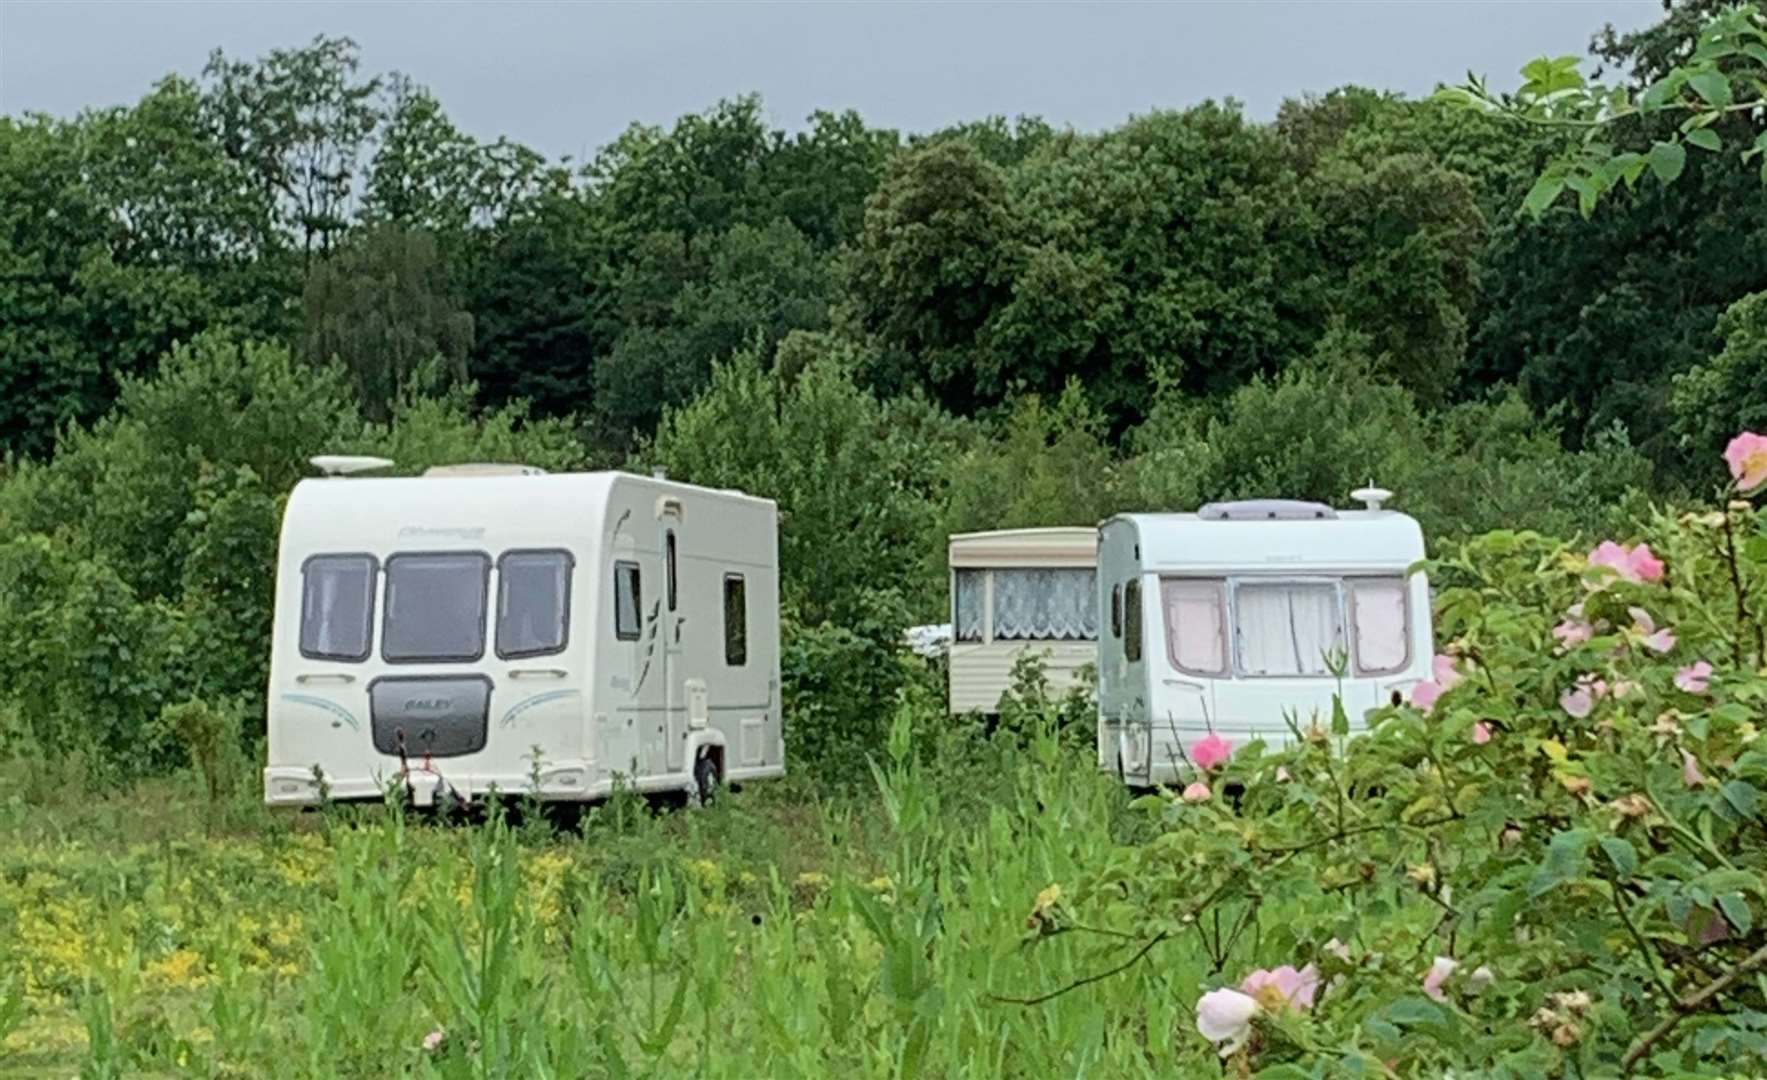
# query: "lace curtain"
[[968, 605], [1287, 629], [1045, 605]]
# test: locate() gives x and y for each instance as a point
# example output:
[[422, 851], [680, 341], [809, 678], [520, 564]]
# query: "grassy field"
[[783, 932]]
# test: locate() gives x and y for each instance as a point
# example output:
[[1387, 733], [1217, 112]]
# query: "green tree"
[[298, 121], [1728, 393], [385, 308]]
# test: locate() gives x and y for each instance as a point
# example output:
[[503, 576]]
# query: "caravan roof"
[[1064, 545], [1348, 540]]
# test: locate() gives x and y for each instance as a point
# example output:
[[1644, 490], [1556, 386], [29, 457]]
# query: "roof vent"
[[483, 469], [1266, 510], [659, 473], [343, 465], [1371, 496]]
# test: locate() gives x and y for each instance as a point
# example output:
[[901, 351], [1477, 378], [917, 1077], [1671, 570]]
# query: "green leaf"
[[1711, 86], [1736, 911], [1340, 720], [1742, 797], [1758, 52], [1622, 854], [1706, 139], [1565, 858], [1667, 159], [1415, 1010]]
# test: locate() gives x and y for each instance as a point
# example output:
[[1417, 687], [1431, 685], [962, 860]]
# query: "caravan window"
[[1287, 627], [533, 602], [967, 601], [337, 606], [628, 599], [1132, 621], [1045, 605], [736, 620], [1381, 614], [1196, 624], [435, 607]]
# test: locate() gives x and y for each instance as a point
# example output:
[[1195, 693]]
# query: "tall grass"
[[769, 935]]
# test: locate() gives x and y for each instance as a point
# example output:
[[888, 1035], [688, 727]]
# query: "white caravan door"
[[676, 614]]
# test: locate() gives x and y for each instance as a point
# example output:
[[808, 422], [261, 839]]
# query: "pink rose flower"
[[433, 1040], [1655, 640], [1695, 677], [1442, 670], [1425, 693], [1481, 733], [1210, 751], [1747, 457], [1630, 564], [1224, 1017], [1283, 987], [1690, 770], [1198, 792], [1572, 633], [1437, 975], [1578, 702]]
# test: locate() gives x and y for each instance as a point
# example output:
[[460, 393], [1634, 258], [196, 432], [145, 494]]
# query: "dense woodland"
[[896, 335]]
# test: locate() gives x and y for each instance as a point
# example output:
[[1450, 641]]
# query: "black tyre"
[[706, 779]]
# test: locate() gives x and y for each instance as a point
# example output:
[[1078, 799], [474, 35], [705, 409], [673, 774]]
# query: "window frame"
[[486, 562], [637, 569], [564, 607], [742, 592], [1404, 581], [374, 569], [1224, 627], [1132, 620]]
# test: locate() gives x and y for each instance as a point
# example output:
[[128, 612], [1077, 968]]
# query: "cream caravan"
[[1237, 616], [1015, 591], [484, 627]]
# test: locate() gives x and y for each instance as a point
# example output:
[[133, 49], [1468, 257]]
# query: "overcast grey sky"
[[566, 77]]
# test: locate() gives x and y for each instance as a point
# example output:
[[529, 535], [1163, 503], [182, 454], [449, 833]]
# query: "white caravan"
[[1015, 591], [484, 627], [1237, 616]]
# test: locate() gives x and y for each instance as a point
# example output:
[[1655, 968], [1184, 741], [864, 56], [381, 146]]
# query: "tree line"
[[896, 335]]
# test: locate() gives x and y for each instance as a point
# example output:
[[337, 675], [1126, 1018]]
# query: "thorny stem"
[[1743, 619], [1090, 979], [1692, 1004], [1650, 954]]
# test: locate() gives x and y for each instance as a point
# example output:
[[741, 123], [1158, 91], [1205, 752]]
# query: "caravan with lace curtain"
[[1015, 591], [1242, 615]]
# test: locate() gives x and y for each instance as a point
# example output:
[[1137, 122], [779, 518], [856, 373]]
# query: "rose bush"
[[1550, 862]]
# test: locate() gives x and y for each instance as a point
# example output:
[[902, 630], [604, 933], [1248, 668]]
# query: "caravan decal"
[[650, 647], [537, 699], [329, 706]]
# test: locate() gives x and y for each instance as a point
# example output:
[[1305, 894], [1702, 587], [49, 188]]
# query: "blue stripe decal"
[[331, 707], [537, 699]]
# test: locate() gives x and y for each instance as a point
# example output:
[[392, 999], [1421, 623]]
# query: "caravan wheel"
[[706, 779]]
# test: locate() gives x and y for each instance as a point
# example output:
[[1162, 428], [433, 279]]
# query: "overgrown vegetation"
[[1547, 864]]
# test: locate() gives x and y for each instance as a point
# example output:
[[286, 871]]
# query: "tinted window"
[[669, 552], [337, 606], [736, 621], [435, 607], [1116, 611], [533, 602], [1132, 620], [628, 598]]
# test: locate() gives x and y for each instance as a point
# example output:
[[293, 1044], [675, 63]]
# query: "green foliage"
[[1715, 400], [209, 735], [383, 310]]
